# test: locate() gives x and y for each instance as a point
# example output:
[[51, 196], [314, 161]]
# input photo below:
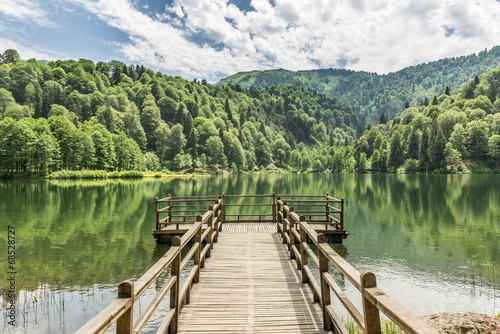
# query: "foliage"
[[440, 137], [377, 95], [73, 115]]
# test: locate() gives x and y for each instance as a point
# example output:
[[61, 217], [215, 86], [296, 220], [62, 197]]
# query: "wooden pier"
[[323, 212], [251, 277]]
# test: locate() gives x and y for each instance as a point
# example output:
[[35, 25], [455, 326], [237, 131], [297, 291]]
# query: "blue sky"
[[211, 39]]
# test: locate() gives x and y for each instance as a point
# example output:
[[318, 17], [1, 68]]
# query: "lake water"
[[432, 240]]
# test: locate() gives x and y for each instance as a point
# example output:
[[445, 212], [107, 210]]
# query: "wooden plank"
[[249, 285]]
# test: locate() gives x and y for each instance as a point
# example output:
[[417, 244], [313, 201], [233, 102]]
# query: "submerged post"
[[125, 322], [157, 215], [342, 213]]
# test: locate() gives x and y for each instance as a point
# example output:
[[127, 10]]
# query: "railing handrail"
[[374, 299], [120, 310]]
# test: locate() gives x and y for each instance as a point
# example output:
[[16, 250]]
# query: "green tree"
[[423, 155], [396, 156], [362, 163], [176, 142], [477, 139], [10, 56], [215, 153], [150, 121], [151, 162], [437, 143], [451, 155], [494, 147]]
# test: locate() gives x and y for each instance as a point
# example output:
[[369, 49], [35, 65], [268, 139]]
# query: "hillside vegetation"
[[73, 115], [370, 94], [455, 132]]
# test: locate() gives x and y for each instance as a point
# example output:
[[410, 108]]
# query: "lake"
[[432, 240]]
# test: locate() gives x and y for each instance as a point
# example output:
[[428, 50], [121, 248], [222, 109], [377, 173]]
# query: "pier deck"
[[250, 271], [250, 286]]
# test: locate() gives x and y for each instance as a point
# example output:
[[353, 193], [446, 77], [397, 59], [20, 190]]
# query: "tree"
[[150, 121], [338, 161], [227, 109], [457, 139], [451, 155], [494, 147], [396, 156], [424, 148], [383, 119], [176, 142], [437, 143], [362, 163], [413, 144], [10, 56], [215, 153], [151, 162], [447, 91], [477, 139], [234, 151]]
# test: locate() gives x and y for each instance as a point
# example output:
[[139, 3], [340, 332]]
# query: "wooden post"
[[286, 228], [371, 312], [292, 236], [325, 288], [342, 214], [278, 218], [157, 215], [274, 208], [223, 208], [174, 290], [303, 253], [125, 322], [327, 207], [210, 225], [197, 241]]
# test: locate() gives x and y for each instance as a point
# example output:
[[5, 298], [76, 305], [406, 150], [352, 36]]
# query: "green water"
[[432, 240]]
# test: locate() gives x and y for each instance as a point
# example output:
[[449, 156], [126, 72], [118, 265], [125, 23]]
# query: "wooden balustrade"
[[120, 311], [374, 299]]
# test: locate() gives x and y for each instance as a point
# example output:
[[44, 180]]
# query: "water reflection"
[[80, 236]]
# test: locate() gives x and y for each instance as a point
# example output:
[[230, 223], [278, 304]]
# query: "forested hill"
[[457, 131], [80, 115], [369, 93]]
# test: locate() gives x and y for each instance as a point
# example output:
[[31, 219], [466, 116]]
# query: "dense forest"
[[370, 94], [74, 115], [455, 132]]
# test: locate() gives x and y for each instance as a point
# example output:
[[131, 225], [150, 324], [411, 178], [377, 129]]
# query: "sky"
[[212, 39]]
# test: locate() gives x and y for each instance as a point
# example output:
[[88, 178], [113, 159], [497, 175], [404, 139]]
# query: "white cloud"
[[27, 10], [24, 51], [371, 35]]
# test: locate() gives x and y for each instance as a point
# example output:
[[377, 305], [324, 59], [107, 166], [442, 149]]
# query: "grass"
[[387, 326]]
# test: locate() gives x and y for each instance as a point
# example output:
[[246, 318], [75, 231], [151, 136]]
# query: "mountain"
[[69, 114], [458, 131], [370, 94]]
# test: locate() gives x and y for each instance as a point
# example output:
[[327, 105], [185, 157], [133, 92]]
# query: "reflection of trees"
[[83, 232], [452, 212]]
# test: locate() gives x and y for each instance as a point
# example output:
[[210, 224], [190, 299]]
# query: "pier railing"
[[294, 226], [120, 311], [174, 213]]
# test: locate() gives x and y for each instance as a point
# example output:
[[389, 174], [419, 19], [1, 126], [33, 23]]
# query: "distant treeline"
[[370, 94]]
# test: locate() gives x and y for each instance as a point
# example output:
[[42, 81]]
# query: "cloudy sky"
[[212, 39]]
